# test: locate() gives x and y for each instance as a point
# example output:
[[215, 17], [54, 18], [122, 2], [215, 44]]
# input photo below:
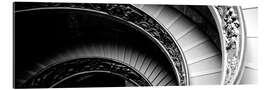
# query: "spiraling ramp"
[[154, 70], [203, 58]]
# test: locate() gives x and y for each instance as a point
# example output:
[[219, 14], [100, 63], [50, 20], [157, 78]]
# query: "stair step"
[[159, 11], [155, 73], [249, 76], [170, 23], [171, 83], [128, 54], [204, 73], [140, 61], [200, 52], [133, 60], [100, 50], [150, 68], [145, 65], [165, 81], [167, 16], [191, 39], [207, 64], [121, 53], [209, 79], [114, 52], [217, 56], [180, 27], [160, 77], [106, 49]]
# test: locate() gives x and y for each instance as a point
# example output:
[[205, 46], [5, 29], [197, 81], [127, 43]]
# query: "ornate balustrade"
[[231, 29]]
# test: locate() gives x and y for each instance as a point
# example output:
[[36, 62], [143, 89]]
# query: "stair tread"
[[201, 51], [192, 39], [133, 59], [128, 54], [180, 26], [160, 77], [249, 76], [145, 65], [205, 65], [168, 15], [150, 68], [211, 79], [140, 61], [121, 53], [155, 73], [166, 80], [204, 73]]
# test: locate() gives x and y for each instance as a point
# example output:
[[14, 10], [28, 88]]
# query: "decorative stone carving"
[[232, 34]]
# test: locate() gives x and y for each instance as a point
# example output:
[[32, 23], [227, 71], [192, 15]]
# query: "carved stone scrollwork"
[[137, 17], [54, 74], [232, 30]]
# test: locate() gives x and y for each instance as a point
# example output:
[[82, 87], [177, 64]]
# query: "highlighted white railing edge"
[[232, 32]]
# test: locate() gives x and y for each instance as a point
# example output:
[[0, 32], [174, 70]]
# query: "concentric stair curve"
[[203, 58], [153, 70]]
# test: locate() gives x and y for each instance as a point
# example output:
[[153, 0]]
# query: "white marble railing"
[[231, 27]]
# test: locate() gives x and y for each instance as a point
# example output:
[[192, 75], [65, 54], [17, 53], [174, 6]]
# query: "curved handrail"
[[231, 28]]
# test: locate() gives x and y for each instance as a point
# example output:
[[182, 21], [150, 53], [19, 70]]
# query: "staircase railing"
[[231, 27]]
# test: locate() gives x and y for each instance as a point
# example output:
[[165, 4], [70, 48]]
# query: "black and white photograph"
[[88, 45]]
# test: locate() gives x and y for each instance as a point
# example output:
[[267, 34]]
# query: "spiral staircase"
[[152, 69], [203, 56]]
